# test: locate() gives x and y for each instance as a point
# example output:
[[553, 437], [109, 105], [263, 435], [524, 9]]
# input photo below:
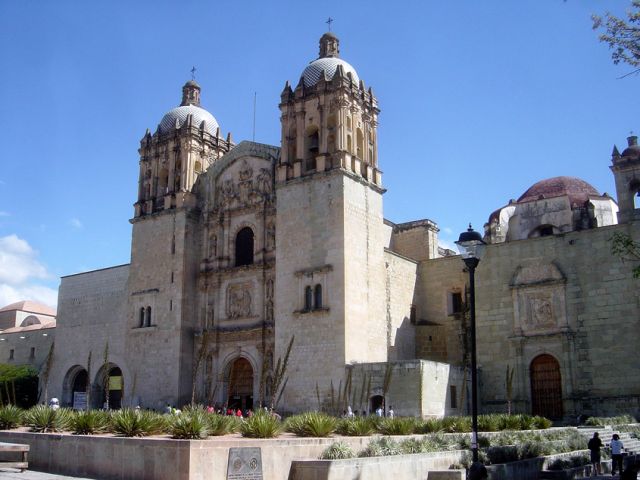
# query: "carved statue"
[[239, 302], [264, 181]]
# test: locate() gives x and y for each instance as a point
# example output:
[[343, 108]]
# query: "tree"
[[624, 247], [622, 35]]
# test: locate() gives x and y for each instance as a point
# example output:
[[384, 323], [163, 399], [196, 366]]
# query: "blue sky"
[[479, 101]]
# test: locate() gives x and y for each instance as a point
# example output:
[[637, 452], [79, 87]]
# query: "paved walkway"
[[11, 474]]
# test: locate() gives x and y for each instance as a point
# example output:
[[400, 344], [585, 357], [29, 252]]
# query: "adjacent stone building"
[[238, 249]]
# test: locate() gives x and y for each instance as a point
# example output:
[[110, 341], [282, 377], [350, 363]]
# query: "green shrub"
[[337, 451], [10, 417], [90, 422], [356, 427], [381, 447], [44, 419], [311, 424], [222, 424], [489, 423], [192, 424], [613, 421], [261, 425], [430, 425], [137, 423], [456, 424], [541, 423], [397, 426]]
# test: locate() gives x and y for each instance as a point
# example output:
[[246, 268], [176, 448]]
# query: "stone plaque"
[[244, 464]]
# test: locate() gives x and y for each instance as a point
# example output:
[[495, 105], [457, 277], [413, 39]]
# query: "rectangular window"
[[11, 354], [455, 303], [413, 315], [170, 305], [453, 394], [171, 277], [32, 353]]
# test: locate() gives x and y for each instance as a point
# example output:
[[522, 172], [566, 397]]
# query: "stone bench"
[[14, 455]]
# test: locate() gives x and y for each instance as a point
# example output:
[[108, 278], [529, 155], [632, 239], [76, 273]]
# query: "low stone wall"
[[428, 466], [117, 458]]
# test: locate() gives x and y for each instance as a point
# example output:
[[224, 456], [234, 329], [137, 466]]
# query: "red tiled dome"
[[577, 190]]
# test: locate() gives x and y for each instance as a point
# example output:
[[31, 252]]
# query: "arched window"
[[308, 298], [359, 144], [141, 319], [244, 247], [147, 320], [317, 297], [163, 182], [635, 193], [349, 144], [312, 147]]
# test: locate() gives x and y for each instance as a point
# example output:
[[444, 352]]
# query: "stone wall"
[[90, 313]]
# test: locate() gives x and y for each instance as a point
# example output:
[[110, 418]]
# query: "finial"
[[329, 22], [193, 73]]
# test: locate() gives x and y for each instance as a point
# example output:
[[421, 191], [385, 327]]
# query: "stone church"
[[239, 251]]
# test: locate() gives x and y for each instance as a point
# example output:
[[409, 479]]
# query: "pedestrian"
[[349, 412], [239, 413], [594, 445], [379, 411], [391, 413], [54, 404], [616, 454]]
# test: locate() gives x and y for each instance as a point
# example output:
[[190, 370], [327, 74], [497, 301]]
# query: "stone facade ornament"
[[239, 301]]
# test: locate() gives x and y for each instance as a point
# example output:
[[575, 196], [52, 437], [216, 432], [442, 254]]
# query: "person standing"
[[390, 413], [594, 445], [616, 454]]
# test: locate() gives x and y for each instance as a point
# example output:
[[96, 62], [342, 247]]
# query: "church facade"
[[244, 255]]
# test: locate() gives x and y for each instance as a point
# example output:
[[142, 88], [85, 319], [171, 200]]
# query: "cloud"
[[75, 223], [447, 230], [20, 273], [447, 245], [4, 214]]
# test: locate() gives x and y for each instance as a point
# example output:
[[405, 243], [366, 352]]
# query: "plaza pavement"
[[12, 474]]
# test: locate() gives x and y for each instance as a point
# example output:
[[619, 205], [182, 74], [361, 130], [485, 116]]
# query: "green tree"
[[622, 35], [623, 246]]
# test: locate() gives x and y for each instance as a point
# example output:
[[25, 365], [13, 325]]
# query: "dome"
[[577, 190], [313, 72], [168, 122], [632, 151]]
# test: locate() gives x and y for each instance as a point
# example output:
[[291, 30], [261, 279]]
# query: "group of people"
[[616, 446], [349, 413]]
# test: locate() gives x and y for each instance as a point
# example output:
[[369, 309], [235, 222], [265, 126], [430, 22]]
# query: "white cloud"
[[75, 223], [20, 271], [447, 230], [4, 214]]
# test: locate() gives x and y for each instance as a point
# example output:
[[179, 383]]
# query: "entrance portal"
[[546, 387], [240, 385], [377, 401]]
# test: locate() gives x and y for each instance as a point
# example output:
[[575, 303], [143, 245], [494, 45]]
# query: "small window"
[[456, 302], [32, 352], [11, 354], [317, 297], [453, 396], [170, 305], [308, 298], [171, 277], [244, 247], [147, 320], [141, 319], [413, 315]]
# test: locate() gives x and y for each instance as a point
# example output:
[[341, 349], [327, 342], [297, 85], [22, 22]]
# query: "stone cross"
[[329, 22]]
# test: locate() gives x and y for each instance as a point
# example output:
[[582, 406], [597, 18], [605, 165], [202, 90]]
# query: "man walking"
[[616, 454], [594, 445]]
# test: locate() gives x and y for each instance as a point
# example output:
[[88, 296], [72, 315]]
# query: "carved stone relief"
[[269, 300], [270, 241], [245, 190], [239, 300]]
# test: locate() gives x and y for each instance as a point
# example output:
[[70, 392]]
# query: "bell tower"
[[330, 120], [626, 171], [330, 275]]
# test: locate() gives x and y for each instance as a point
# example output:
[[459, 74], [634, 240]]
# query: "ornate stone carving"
[[270, 241], [269, 300], [540, 311], [264, 185], [239, 301]]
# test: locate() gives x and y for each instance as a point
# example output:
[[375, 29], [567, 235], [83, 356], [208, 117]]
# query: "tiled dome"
[[577, 190], [168, 122], [313, 72]]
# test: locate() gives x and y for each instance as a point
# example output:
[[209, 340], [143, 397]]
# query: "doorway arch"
[[115, 387], [240, 381], [377, 401], [546, 387]]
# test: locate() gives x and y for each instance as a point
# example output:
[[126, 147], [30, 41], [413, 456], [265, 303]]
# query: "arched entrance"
[[546, 387], [377, 401], [79, 390], [240, 385], [113, 386]]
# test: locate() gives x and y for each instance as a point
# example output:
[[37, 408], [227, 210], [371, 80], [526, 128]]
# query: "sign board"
[[79, 400], [244, 464]]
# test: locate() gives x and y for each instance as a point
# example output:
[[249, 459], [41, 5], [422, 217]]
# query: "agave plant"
[[355, 427], [10, 417], [45, 419], [137, 423], [311, 424], [261, 425], [222, 424], [337, 451], [192, 424], [88, 422], [381, 447], [397, 426]]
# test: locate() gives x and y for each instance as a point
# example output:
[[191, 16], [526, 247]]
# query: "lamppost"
[[471, 248]]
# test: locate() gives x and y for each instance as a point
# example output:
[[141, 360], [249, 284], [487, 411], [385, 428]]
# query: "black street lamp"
[[471, 248]]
